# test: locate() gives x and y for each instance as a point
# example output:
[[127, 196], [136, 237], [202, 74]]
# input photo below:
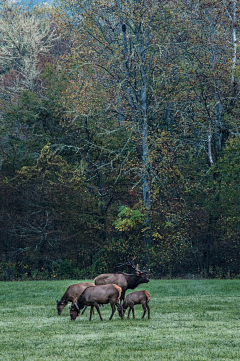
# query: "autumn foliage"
[[122, 140]]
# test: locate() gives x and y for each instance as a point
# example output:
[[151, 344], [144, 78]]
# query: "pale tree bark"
[[232, 15], [210, 145], [234, 31]]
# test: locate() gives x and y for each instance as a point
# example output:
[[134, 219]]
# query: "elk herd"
[[107, 288]]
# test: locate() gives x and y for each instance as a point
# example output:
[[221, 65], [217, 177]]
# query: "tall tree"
[[125, 42]]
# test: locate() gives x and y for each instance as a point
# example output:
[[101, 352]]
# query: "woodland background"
[[120, 137]]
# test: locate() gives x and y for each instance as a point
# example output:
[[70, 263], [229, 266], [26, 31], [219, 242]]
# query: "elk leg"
[[148, 308], [98, 310], [122, 296], [144, 310], [131, 308], [113, 311], [84, 310], [91, 312], [133, 311]]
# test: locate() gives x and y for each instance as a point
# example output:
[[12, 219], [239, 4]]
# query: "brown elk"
[[93, 296], [124, 280], [71, 295], [136, 298]]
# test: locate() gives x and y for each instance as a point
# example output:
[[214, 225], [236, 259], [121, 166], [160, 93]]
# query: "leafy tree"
[[24, 38], [49, 215], [224, 206], [124, 43], [32, 122]]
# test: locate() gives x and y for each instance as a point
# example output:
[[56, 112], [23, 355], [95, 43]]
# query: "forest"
[[120, 138]]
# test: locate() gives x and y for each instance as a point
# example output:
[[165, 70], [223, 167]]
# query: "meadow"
[[190, 320]]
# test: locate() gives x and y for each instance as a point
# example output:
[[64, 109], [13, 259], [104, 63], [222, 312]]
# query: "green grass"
[[190, 320]]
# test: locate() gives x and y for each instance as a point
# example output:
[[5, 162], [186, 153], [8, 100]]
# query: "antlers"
[[132, 265]]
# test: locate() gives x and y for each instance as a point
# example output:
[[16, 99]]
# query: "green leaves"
[[129, 218]]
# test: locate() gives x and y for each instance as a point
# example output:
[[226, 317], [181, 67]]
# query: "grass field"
[[190, 320]]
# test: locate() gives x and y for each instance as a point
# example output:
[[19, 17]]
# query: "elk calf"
[[93, 296], [135, 298], [71, 295]]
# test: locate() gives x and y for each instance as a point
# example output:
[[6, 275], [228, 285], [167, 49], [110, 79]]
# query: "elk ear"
[[138, 273]]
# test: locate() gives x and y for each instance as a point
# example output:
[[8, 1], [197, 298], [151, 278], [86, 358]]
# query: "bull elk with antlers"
[[124, 280]]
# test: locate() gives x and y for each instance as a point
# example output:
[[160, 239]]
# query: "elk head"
[[120, 310], [142, 277], [74, 311], [60, 307], [140, 274]]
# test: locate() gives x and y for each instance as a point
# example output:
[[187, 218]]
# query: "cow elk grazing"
[[124, 280], [71, 295], [136, 298], [93, 296]]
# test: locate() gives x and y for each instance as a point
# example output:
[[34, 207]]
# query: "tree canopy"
[[119, 138]]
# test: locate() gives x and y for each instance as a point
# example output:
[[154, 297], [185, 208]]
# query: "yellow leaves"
[[157, 235]]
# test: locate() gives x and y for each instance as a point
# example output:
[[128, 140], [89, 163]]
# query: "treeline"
[[119, 126]]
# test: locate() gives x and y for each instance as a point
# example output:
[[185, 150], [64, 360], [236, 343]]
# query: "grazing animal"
[[136, 298], [71, 295], [124, 280], [93, 296]]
